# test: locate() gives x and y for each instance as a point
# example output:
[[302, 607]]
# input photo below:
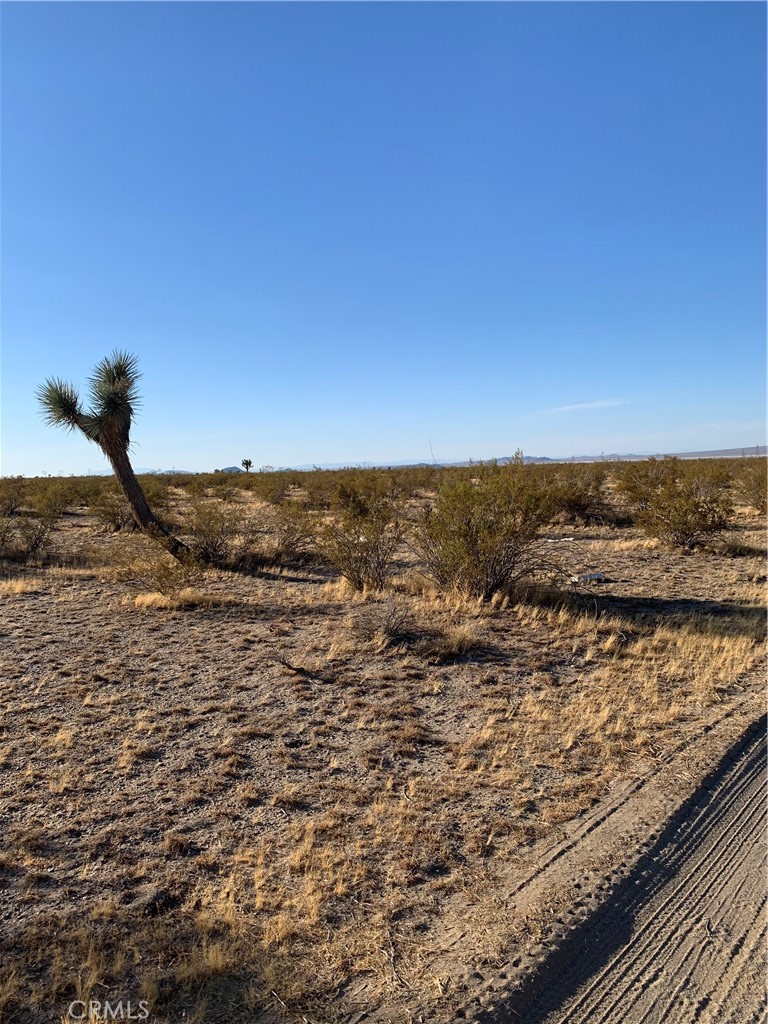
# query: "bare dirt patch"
[[275, 801]]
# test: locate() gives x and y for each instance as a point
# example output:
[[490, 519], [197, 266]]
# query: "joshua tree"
[[246, 464], [114, 397]]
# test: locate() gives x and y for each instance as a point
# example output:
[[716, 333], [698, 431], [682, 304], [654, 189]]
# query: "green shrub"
[[34, 534], [362, 548], [639, 481], [293, 530], [112, 509], [12, 493], [6, 537], [753, 484], [576, 494], [23, 537], [51, 498], [481, 536], [684, 512], [212, 528], [679, 503]]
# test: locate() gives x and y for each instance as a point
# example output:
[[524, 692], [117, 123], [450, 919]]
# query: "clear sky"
[[347, 233]]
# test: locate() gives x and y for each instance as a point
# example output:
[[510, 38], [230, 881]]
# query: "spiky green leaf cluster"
[[113, 392], [61, 403]]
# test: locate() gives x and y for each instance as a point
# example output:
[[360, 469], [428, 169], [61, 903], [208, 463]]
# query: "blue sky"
[[373, 232]]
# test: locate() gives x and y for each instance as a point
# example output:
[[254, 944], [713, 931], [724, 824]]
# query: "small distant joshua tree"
[[246, 464], [114, 397]]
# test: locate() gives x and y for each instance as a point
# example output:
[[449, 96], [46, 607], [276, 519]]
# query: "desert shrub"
[[6, 536], [51, 498], [317, 489], [576, 494], [276, 495], [156, 492], [361, 548], [194, 486], [677, 503], [84, 490], [34, 534], [111, 509], [23, 537], [212, 528], [348, 499], [716, 474], [141, 560], [12, 493], [752, 484], [639, 481], [293, 530], [683, 512], [481, 536]]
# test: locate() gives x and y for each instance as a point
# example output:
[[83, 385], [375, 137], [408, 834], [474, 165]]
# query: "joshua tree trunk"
[[145, 518]]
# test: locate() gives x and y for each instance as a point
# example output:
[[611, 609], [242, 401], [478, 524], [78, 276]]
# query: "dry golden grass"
[[13, 588], [188, 597], [278, 797]]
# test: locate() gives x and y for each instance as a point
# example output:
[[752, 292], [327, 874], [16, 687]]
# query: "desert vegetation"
[[293, 774]]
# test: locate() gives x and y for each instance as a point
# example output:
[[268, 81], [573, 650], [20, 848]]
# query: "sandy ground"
[[683, 938]]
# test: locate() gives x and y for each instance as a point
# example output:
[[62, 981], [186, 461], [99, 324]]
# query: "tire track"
[[701, 886], [682, 939]]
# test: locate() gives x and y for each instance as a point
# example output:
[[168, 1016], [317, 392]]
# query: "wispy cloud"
[[601, 403]]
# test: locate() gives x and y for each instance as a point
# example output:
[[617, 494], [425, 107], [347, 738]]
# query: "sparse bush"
[[753, 484], [317, 488], [716, 474], [212, 528], [156, 492], [683, 512], [480, 537], [293, 532], [143, 561], [350, 501], [24, 537], [34, 534], [12, 493], [576, 494], [277, 495], [362, 549], [677, 503], [112, 510], [639, 481], [110, 506], [6, 536], [51, 498]]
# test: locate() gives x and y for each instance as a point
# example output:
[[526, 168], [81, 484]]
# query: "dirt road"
[[682, 939]]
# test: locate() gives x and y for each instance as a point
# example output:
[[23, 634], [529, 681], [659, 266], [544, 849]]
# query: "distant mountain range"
[[721, 453], [755, 451]]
